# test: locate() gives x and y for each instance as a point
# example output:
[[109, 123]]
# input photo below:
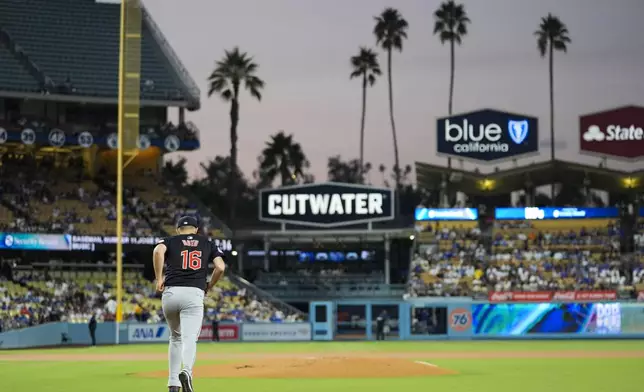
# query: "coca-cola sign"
[[617, 133], [551, 296]]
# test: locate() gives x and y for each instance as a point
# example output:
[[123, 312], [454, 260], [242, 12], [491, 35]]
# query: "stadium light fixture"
[[630, 182]]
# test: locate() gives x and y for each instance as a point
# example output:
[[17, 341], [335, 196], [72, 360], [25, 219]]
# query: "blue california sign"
[[487, 135]]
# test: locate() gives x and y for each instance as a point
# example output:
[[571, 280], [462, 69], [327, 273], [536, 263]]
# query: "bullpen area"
[[348, 366]]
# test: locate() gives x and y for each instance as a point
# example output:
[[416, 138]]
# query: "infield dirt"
[[318, 365]]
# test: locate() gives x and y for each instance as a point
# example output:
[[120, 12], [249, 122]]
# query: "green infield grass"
[[539, 366]]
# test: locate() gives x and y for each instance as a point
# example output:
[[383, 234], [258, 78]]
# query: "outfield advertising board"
[[275, 332], [551, 296], [148, 333], [228, 332]]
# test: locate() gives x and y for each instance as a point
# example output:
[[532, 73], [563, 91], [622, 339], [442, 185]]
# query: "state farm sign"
[[618, 133]]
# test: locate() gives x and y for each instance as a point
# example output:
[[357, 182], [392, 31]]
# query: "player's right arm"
[[220, 267], [158, 257]]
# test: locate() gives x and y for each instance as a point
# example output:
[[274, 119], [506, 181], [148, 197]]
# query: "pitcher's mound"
[[321, 367]]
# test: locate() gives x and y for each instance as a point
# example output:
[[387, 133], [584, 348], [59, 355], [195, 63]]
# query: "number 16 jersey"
[[186, 260]]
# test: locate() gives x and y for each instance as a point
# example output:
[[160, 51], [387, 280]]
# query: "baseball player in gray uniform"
[[186, 257]]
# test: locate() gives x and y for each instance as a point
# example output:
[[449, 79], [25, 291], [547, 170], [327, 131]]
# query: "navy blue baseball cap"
[[188, 221]]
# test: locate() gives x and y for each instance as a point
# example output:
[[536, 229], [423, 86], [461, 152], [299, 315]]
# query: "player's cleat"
[[186, 381], [174, 389]]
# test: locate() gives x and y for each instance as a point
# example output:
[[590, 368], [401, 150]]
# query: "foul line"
[[425, 363]]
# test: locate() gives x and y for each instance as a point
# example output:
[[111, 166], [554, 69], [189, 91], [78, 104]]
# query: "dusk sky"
[[303, 49]]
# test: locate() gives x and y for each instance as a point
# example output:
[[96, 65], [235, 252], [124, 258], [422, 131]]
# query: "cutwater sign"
[[487, 135], [148, 333], [326, 205]]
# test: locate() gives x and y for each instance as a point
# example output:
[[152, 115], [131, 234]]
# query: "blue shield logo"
[[518, 130]]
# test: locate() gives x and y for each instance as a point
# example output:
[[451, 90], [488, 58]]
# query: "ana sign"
[[618, 132], [148, 333], [487, 135], [326, 205]]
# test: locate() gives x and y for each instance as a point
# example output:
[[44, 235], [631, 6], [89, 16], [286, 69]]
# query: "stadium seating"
[[525, 256], [77, 41], [73, 296], [14, 76]]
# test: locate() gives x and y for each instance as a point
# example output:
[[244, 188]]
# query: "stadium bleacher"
[[75, 295], [77, 41], [526, 255]]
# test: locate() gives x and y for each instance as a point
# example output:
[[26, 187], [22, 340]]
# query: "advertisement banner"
[[546, 296], [326, 205], [538, 213], [446, 214], [526, 319], [617, 133], [287, 332], [34, 241], [29, 241], [227, 332], [148, 333], [487, 135], [92, 242]]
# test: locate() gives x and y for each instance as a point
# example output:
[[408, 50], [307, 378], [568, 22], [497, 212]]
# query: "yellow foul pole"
[[119, 178], [128, 124]]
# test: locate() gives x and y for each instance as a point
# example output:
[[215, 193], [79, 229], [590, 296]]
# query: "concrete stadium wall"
[[356, 320]]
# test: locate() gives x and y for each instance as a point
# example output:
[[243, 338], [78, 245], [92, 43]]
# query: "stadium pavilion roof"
[[71, 49], [539, 174]]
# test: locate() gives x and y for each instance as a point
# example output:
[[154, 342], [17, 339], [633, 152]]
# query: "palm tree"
[[451, 26], [235, 69], [552, 35], [284, 158], [365, 65], [390, 31]]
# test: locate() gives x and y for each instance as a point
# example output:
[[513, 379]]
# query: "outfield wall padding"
[[357, 320]]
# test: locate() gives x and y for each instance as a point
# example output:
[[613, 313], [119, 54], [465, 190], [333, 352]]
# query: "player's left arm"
[[220, 267], [158, 257]]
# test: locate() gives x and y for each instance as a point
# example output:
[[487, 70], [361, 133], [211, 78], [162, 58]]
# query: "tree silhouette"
[[352, 171], [390, 31], [365, 66], [451, 26], [176, 170], [230, 73], [552, 35], [282, 158]]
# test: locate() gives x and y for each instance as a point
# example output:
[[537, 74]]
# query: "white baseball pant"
[[183, 309]]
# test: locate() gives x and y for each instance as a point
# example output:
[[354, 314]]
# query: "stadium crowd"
[[523, 258], [37, 297]]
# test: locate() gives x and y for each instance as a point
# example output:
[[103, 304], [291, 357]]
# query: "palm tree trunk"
[[552, 118], [451, 89], [362, 121], [232, 194], [393, 131], [393, 122]]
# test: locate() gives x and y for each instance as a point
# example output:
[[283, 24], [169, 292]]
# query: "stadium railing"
[[265, 296]]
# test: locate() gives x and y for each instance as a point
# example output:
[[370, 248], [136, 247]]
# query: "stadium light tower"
[[128, 124]]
